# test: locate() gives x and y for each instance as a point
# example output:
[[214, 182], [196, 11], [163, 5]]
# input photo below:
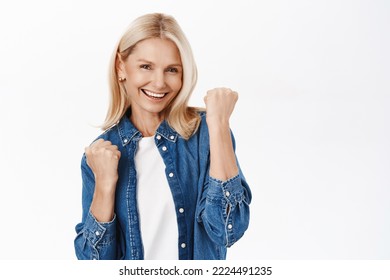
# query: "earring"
[[121, 79]]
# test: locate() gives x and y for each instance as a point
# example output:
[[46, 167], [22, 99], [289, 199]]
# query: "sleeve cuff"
[[231, 189], [97, 232]]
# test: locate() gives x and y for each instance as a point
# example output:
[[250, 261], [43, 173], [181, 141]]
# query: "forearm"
[[223, 163], [103, 203], [96, 233], [102, 158]]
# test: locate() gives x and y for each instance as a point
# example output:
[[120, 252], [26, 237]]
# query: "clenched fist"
[[220, 104], [103, 158]]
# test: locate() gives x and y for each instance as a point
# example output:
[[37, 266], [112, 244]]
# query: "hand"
[[220, 104], [103, 158]]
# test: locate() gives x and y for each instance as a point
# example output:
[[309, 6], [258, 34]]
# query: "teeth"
[[154, 94]]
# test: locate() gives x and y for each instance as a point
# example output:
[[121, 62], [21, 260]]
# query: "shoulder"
[[201, 134], [108, 134], [111, 134]]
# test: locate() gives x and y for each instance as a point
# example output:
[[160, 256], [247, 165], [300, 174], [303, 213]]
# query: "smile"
[[152, 94]]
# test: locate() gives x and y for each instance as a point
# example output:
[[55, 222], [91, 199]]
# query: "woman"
[[162, 182]]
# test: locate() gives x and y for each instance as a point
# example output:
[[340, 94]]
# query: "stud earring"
[[121, 79]]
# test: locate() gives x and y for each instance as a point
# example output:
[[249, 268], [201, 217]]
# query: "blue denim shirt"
[[211, 214]]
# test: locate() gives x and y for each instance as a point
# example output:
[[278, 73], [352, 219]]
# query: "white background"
[[311, 124]]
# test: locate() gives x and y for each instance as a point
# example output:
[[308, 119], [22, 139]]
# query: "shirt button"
[[97, 233], [171, 137], [227, 194], [181, 210], [170, 174], [125, 140], [230, 226], [183, 245], [164, 148], [158, 137]]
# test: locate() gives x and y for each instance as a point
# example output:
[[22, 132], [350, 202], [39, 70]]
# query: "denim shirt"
[[211, 214]]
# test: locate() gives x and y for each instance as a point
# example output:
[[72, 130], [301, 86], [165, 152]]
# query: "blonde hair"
[[185, 120]]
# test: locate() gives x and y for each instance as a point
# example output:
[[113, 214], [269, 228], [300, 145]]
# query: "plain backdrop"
[[311, 124]]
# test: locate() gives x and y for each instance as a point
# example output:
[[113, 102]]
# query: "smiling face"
[[153, 73]]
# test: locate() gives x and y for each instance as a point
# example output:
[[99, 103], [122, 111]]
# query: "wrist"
[[105, 188], [218, 128], [106, 181], [217, 123]]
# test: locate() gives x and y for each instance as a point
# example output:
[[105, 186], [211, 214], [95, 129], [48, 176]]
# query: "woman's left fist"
[[220, 104]]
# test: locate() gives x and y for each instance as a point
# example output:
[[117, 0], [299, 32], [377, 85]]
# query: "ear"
[[120, 66]]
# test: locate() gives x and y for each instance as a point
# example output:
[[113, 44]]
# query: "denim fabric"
[[211, 214]]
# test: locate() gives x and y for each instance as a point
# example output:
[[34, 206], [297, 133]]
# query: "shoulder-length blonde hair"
[[185, 120]]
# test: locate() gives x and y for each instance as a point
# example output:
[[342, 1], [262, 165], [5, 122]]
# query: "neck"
[[146, 123]]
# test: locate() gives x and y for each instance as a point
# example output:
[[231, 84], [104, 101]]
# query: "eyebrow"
[[170, 65]]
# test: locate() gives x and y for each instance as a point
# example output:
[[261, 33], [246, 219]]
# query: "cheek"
[[136, 79], [176, 83]]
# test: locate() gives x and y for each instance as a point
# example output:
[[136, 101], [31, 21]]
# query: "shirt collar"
[[128, 132], [167, 132]]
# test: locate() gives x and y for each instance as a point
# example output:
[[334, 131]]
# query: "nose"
[[159, 79]]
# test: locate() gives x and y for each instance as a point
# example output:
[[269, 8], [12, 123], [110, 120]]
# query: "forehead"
[[156, 50]]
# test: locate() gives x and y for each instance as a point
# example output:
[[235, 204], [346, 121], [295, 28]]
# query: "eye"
[[145, 66], [172, 70]]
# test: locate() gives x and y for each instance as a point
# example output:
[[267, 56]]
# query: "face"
[[153, 73]]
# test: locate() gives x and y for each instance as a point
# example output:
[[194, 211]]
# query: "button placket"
[[171, 176]]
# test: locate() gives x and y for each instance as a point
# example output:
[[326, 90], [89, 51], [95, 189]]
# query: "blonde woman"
[[162, 181]]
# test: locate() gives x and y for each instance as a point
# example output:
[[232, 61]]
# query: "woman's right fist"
[[103, 157]]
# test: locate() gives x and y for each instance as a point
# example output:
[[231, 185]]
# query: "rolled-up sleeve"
[[95, 240], [225, 215]]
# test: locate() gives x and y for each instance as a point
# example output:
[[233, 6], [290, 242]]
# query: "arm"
[[219, 107], [226, 195], [96, 234], [103, 158]]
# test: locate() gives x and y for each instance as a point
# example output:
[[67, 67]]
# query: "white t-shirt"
[[156, 208]]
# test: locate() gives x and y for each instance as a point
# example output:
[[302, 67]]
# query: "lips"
[[154, 95]]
